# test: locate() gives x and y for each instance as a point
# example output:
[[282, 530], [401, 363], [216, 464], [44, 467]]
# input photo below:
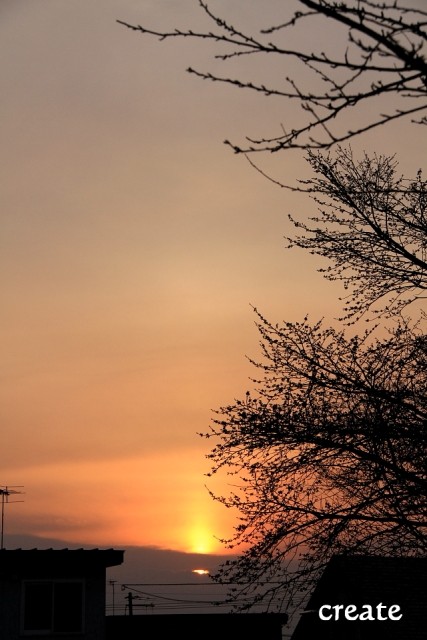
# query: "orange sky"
[[132, 245]]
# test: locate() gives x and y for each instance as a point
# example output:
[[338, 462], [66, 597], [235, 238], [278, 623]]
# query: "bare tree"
[[328, 455], [384, 59], [373, 224], [329, 452], [372, 227]]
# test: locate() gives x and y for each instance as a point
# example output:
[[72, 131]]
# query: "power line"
[[164, 597]]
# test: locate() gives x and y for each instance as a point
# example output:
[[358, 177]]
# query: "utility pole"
[[113, 584], [130, 598], [5, 492]]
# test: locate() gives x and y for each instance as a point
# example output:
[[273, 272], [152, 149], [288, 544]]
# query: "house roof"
[[34, 559], [192, 626], [369, 580]]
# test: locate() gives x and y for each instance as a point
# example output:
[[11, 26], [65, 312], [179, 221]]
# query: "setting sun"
[[201, 540]]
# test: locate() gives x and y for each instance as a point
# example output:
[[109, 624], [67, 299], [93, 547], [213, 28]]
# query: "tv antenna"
[[5, 492]]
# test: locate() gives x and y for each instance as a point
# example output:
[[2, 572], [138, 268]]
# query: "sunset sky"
[[133, 244]]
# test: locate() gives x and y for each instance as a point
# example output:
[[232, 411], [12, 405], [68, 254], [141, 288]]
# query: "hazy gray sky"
[[132, 245]]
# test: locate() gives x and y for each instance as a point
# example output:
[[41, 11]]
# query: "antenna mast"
[[5, 492]]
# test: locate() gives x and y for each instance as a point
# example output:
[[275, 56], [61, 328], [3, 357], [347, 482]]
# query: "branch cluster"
[[384, 58], [372, 227], [329, 454]]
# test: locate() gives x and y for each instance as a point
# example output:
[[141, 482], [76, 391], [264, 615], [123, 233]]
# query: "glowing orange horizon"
[[124, 502]]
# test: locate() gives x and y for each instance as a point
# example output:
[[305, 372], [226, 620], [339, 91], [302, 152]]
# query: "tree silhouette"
[[328, 453], [382, 67], [372, 227], [329, 450]]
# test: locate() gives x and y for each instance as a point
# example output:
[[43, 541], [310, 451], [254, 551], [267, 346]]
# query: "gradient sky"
[[133, 243]]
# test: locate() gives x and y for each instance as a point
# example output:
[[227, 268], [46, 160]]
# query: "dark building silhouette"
[[368, 580], [61, 593], [45, 593], [197, 626]]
